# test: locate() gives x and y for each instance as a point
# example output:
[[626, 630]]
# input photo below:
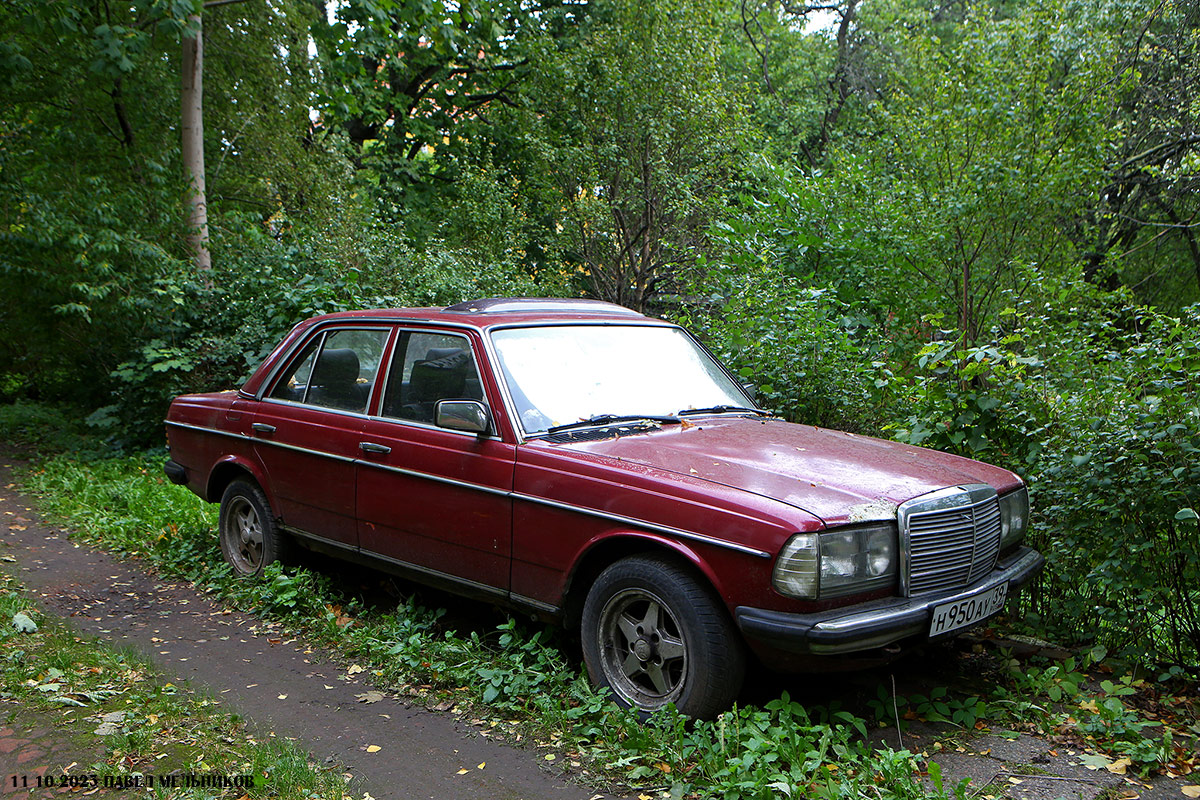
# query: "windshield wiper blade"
[[613, 419], [723, 410]]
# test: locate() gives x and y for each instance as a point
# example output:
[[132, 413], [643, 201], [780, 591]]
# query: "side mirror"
[[751, 391], [463, 415]]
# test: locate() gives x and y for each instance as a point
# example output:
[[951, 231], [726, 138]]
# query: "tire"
[[250, 539], [653, 634]]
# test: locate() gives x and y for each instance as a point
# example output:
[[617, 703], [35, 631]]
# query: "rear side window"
[[427, 367], [335, 370]]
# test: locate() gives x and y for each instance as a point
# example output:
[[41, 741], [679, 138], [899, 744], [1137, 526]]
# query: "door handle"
[[262, 427], [371, 447]]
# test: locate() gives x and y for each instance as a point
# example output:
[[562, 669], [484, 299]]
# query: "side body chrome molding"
[[591, 512]]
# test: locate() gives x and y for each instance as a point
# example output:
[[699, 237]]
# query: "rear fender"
[[229, 469]]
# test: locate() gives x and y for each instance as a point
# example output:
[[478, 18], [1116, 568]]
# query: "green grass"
[[69, 683]]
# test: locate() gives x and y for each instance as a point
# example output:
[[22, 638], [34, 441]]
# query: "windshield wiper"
[[723, 410], [612, 419]]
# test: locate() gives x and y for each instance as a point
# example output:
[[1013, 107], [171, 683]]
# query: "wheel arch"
[[230, 469], [599, 555]]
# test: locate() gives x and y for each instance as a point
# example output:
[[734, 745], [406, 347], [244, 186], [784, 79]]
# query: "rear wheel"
[[250, 539], [653, 634]]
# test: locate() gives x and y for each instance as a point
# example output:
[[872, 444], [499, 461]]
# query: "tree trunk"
[[192, 97]]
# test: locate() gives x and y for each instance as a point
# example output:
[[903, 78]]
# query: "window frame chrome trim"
[[399, 329], [355, 322], [322, 330]]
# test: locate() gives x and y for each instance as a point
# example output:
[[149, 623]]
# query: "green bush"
[[1097, 405], [973, 400], [1118, 485]]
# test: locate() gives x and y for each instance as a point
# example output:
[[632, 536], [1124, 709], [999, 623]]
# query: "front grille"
[[951, 538]]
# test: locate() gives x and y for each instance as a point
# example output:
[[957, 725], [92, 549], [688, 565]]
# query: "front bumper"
[[852, 629]]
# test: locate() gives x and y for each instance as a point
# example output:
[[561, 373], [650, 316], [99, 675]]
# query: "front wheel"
[[653, 634], [250, 540]]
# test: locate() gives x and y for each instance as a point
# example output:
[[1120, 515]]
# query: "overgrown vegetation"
[[522, 682]]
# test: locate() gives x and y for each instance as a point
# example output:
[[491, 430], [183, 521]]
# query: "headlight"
[[797, 567], [837, 563], [1014, 517]]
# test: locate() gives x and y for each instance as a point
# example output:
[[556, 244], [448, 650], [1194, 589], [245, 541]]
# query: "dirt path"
[[280, 685]]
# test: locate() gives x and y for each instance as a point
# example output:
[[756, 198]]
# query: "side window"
[[427, 367], [335, 370], [292, 384]]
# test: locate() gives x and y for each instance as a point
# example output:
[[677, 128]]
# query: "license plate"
[[963, 613]]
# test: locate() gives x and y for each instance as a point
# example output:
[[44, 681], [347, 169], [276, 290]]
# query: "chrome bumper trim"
[[852, 629]]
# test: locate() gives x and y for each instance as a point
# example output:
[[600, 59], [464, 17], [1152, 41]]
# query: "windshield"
[[558, 375]]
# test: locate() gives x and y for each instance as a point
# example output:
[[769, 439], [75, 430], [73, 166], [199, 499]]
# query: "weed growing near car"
[[516, 682]]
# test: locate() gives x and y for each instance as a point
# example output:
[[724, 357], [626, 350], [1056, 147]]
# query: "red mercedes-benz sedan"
[[589, 464]]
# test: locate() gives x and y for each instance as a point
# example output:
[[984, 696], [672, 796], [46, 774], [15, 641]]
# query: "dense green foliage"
[[940, 222]]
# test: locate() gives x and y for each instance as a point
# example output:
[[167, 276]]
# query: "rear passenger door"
[[433, 500], [308, 427]]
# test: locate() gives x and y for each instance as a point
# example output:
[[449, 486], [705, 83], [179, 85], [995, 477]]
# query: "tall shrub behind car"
[[1119, 486], [1103, 419]]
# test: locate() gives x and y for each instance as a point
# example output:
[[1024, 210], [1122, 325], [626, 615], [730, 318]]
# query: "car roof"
[[496, 311], [482, 315]]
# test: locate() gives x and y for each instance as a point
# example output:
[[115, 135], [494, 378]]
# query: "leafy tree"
[[406, 79], [644, 140], [983, 155], [92, 187], [1143, 226]]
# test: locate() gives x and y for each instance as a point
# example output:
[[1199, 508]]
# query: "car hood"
[[837, 476]]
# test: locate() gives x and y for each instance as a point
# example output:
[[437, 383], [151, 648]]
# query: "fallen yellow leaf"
[[482, 764], [462, 771], [373, 748], [283, 697], [1191, 791], [1118, 767]]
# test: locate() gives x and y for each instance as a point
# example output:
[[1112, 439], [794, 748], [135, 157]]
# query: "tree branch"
[[122, 118]]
